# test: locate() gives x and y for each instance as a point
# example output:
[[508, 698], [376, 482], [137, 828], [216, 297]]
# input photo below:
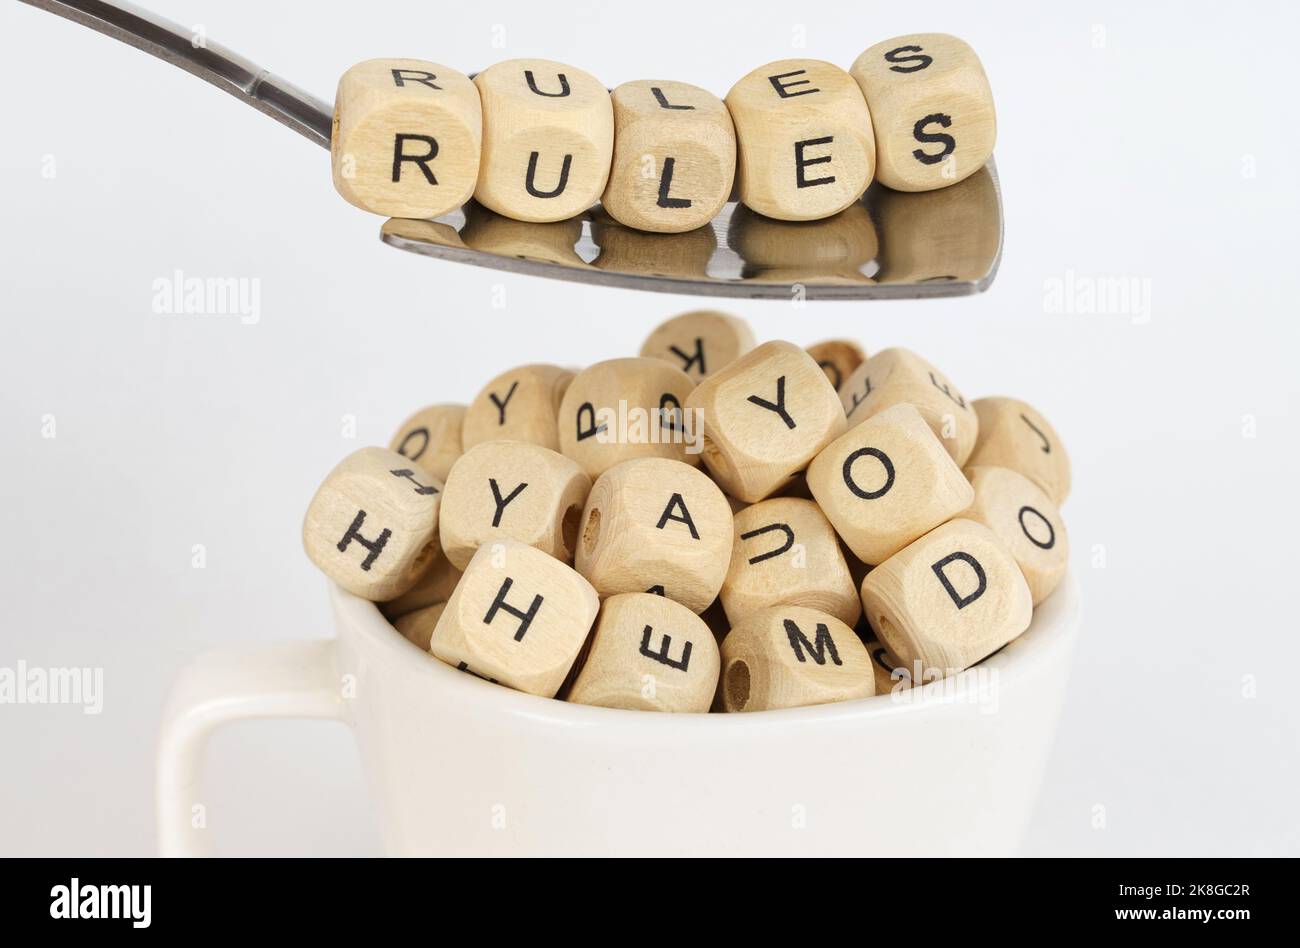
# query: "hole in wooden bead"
[[424, 557], [738, 685], [590, 535], [569, 529]]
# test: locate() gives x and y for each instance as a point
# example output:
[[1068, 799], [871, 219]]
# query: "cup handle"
[[285, 680]]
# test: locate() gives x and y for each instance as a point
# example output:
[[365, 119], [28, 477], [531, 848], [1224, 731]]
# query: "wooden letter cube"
[[804, 140], [839, 358], [1024, 518], [699, 342], [1012, 434], [655, 525], [434, 586], [431, 438], [886, 482], [765, 416], [931, 108], [947, 600], [407, 137], [648, 653], [417, 627], [788, 657], [895, 376], [674, 156], [548, 137], [785, 552], [518, 617], [891, 676], [512, 490], [622, 409], [519, 405], [373, 525]]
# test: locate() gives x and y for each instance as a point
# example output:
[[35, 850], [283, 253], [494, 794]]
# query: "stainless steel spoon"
[[890, 245]]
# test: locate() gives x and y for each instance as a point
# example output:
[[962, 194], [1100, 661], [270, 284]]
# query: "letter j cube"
[[518, 617]]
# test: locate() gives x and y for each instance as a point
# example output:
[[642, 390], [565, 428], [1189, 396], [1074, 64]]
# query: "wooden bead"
[[785, 552], [766, 415], [435, 585], [897, 376], [890, 674], [1013, 434], [839, 358], [373, 525], [788, 657], [836, 250], [623, 409], [431, 438], [1024, 518], [939, 236], [674, 156], [548, 137], [648, 653], [417, 627], [931, 108], [512, 490], [886, 482], [948, 599], [699, 342], [406, 138], [518, 617], [804, 139], [656, 525], [518, 405]]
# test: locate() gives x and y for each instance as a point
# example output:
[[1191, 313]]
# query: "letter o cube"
[[885, 482]]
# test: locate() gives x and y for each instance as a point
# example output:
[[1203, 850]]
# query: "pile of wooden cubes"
[[535, 140], [709, 525]]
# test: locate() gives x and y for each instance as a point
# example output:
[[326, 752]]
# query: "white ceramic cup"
[[460, 766]]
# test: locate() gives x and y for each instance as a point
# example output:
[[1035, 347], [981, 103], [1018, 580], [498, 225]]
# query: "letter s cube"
[[931, 108]]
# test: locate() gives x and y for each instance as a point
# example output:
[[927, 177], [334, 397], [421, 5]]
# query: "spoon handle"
[[211, 62]]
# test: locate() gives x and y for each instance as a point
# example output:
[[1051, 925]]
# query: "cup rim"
[[1051, 632]]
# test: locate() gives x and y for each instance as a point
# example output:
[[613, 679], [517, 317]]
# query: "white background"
[[1148, 141]]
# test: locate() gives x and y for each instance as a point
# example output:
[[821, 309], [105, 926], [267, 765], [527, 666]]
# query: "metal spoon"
[[890, 245]]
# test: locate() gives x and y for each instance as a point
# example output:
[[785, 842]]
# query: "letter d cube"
[[948, 600]]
